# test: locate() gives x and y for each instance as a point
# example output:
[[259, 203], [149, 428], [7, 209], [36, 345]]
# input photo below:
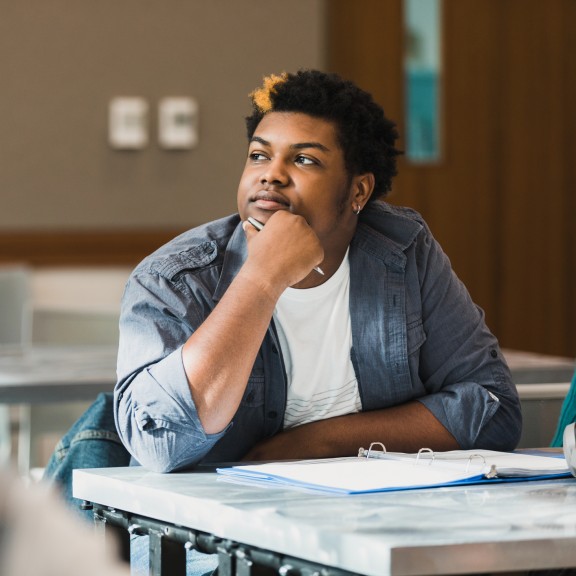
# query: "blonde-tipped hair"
[[261, 96]]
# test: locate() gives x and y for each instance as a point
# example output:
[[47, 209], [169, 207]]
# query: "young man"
[[233, 345]]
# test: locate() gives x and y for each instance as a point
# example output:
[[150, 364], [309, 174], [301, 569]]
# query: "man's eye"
[[257, 156], [305, 161]]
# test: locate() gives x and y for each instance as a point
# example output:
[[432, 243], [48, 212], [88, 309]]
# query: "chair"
[[567, 414], [44, 423], [32, 319], [15, 309], [15, 333]]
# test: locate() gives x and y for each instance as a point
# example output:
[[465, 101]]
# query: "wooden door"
[[501, 201]]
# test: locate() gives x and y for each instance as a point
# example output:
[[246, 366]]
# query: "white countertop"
[[437, 531]]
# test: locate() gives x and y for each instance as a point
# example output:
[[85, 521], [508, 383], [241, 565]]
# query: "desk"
[[44, 374], [57, 374], [542, 382], [456, 530]]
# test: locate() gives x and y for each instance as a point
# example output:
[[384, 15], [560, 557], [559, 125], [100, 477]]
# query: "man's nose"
[[275, 172]]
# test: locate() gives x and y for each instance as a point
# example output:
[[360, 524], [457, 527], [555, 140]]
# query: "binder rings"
[[375, 470]]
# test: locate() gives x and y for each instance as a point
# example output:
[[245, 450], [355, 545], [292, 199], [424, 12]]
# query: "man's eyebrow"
[[299, 146], [317, 145], [260, 140]]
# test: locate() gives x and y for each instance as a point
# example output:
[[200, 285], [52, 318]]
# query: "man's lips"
[[270, 201]]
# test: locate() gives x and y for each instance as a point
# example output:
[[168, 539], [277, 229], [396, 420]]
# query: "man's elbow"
[[160, 449], [155, 464], [504, 431]]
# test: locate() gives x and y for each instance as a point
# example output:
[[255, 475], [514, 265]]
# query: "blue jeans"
[[92, 442]]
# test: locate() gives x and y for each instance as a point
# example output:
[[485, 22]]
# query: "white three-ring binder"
[[375, 470]]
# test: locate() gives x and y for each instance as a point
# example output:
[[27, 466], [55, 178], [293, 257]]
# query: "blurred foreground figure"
[[39, 536]]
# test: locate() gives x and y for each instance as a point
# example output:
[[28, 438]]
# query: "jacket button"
[[274, 350], [272, 414], [493, 353]]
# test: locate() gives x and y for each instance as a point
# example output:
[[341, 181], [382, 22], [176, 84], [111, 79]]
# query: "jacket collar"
[[234, 256], [384, 232]]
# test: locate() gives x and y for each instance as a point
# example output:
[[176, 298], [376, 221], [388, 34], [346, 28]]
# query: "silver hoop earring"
[[358, 209]]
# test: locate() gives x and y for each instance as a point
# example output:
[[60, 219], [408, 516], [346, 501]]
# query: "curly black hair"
[[366, 136]]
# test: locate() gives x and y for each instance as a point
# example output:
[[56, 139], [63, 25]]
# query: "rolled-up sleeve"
[[157, 419], [155, 414]]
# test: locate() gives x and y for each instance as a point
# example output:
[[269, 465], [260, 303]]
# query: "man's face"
[[295, 163]]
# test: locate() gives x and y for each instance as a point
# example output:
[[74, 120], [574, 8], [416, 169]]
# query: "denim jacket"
[[416, 335]]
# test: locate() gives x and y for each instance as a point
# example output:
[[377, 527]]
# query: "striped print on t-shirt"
[[315, 335]]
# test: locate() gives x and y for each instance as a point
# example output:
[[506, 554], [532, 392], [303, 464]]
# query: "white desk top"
[[57, 373], [484, 528]]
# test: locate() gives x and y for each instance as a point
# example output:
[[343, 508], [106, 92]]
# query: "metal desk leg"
[[113, 536], [167, 556], [245, 565]]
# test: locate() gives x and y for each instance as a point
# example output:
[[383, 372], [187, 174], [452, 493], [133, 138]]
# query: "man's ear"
[[363, 188]]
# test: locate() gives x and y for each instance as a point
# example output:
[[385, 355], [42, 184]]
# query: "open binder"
[[375, 470]]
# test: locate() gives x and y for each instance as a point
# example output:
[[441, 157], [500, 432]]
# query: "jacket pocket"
[[415, 336]]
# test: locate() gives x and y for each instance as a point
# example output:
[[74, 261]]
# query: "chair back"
[[15, 308]]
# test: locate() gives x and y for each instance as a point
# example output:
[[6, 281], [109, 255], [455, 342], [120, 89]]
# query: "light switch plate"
[[178, 123], [128, 123]]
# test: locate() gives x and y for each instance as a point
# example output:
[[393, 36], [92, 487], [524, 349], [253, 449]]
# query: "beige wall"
[[61, 61]]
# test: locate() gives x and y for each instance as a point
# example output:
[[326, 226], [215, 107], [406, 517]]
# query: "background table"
[[542, 382], [50, 374], [57, 373], [534, 368], [456, 530]]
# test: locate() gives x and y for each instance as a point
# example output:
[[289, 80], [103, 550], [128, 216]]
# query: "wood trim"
[[80, 247]]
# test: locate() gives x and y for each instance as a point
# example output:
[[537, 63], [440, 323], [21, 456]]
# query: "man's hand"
[[284, 252]]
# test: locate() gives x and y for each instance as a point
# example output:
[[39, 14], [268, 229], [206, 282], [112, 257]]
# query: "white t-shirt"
[[316, 337]]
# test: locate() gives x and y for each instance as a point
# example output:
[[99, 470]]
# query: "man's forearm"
[[405, 428], [219, 356]]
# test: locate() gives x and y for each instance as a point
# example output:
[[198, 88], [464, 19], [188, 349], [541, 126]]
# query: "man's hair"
[[366, 136]]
